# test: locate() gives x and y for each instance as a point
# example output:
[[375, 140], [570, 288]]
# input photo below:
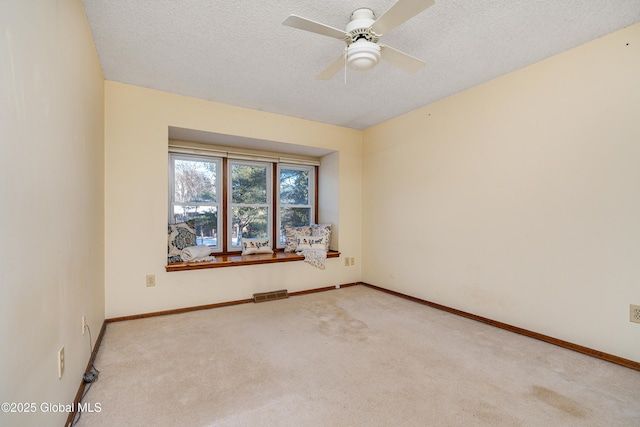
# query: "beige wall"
[[519, 200], [51, 214], [136, 176]]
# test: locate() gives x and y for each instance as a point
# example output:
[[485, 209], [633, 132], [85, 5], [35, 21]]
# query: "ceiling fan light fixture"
[[363, 55]]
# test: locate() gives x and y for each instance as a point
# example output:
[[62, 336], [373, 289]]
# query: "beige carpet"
[[349, 357]]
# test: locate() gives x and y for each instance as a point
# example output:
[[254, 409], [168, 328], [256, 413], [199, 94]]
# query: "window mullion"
[[225, 206], [316, 186], [275, 198]]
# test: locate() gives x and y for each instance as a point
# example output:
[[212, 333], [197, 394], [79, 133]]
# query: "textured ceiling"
[[239, 53]]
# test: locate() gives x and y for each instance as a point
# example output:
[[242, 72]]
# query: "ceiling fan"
[[362, 34]]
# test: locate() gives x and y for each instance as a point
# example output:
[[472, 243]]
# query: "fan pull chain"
[[345, 54]]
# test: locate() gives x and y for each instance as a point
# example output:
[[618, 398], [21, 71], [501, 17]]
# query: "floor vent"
[[269, 296]]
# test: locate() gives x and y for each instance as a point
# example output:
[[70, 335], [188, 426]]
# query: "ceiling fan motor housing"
[[362, 52], [360, 24]]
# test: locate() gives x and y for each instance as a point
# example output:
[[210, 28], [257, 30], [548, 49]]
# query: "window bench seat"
[[238, 260]]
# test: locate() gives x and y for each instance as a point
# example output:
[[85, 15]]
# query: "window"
[[296, 197], [195, 194], [250, 202], [257, 199]]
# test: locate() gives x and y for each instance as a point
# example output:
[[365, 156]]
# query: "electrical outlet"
[[84, 324], [346, 262], [151, 280], [634, 313], [60, 362], [353, 261]]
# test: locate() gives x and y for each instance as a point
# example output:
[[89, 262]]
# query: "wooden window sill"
[[239, 260]]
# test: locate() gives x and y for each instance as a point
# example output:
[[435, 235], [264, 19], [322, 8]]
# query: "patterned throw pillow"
[[318, 230], [291, 232], [310, 242], [181, 235], [256, 246]]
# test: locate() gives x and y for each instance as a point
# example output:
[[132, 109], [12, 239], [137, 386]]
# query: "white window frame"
[[219, 194], [230, 205], [311, 198]]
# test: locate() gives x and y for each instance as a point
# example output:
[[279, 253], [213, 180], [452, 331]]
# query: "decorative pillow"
[[310, 242], [319, 230], [291, 232], [181, 235], [256, 246]]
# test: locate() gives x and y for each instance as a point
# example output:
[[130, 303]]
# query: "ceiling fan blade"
[[332, 69], [404, 61], [305, 24], [400, 12]]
